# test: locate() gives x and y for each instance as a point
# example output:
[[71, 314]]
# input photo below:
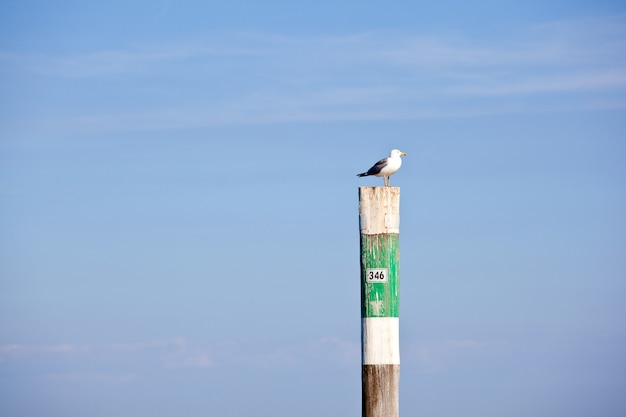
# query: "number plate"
[[376, 275]]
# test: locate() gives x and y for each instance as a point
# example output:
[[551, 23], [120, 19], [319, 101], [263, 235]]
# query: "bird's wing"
[[377, 167]]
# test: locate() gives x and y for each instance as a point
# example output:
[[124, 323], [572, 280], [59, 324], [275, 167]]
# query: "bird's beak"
[[403, 154]]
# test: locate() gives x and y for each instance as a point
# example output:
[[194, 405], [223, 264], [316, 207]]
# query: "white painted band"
[[392, 223], [379, 210], [380, 341]]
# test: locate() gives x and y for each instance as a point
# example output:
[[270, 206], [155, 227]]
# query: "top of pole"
[[379, 210]]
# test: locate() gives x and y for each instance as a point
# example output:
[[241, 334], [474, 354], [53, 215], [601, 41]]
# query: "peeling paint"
[[380, 299], [379, 222]]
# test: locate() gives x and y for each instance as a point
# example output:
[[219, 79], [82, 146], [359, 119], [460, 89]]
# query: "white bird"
[[386, 167]]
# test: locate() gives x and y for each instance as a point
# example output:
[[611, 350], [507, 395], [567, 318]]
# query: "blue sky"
[[179, 214]]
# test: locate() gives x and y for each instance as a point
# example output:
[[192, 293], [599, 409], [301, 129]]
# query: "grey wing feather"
[[377, 167]]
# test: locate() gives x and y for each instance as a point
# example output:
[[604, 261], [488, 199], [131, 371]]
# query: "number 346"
[[376, 275]]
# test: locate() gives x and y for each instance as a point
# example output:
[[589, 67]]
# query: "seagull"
[[386, 167]]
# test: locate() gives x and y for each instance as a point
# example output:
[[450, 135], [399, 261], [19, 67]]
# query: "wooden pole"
[[379, 222]]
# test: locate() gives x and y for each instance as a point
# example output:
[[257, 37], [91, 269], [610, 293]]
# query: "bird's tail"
[[362, 174]]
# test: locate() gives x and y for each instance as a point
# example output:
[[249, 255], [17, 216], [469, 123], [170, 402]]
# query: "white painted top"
[[379, 210]]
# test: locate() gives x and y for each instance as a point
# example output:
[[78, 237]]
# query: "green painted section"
[[380, 299]]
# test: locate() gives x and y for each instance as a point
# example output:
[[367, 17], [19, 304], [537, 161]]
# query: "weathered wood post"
[[379, 221]]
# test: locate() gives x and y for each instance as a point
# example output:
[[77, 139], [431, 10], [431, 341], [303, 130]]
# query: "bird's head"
[[397, 152]]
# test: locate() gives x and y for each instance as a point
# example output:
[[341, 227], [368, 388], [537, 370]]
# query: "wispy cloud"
[[336, 350], [171, 353], [167, 353], [582, 43], [261, 78], [135, 60], [326, 350], [107, 378], [438, 356], [577, 82], [16, 350], [126, 361]]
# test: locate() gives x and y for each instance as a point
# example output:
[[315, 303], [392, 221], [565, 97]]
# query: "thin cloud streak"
[[275, 110], [436, 357], [179, 353], [106, 378], [14, 350], [137, 60], [262, 79], [590, 81], [585, 42]]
